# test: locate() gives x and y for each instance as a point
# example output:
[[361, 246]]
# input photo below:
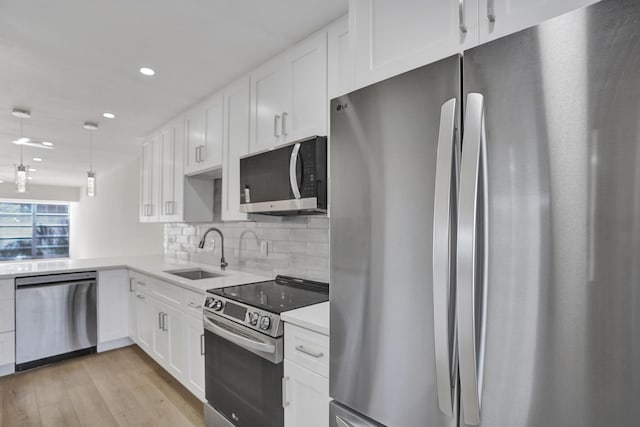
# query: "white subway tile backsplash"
[[298, 246]]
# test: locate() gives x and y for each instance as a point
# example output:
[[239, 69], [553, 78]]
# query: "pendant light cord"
[[90, 151], [21, 142]]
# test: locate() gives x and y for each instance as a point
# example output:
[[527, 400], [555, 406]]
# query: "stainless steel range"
[[244, 339]]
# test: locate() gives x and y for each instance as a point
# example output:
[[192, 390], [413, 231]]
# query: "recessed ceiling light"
[[33, 170], [47, 143], [1, 181], [37, 159], [147, 71], [109, 115]]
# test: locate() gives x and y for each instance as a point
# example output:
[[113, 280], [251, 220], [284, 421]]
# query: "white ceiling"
[[68, 61]]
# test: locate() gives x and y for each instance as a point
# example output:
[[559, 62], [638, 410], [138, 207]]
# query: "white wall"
[[40, 193], [107, 225]]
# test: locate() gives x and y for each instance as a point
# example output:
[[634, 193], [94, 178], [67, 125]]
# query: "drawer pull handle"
[[194, 305], [140, 296], [301, 349]]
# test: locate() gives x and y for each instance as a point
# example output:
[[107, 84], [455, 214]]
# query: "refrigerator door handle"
[[471, 280], [443, 242], [491, 11]]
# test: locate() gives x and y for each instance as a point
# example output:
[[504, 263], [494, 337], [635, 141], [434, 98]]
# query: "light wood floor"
[[123, 387]]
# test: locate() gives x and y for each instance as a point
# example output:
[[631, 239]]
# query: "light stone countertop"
[[154, 266], [314, 317]]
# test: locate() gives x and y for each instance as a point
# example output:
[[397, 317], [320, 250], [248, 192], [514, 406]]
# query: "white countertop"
[[314, 317], [154, 266]]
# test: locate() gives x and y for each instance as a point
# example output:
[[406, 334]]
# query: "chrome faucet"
[[223, 263]]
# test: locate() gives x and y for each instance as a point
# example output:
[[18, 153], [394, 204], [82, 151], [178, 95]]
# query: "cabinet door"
[[306, 397], [144, 316], [113, 309], [305, 110], [236, 143], [172, 174], [133, 316], [501, 17], [391, 37], [148, 181], [211, 153], [194, 333], [194, 123], [268, 93], [174, 330], [339, 58], [160, 342]]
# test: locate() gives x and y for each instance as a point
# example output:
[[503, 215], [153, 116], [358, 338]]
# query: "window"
[[33, 230]]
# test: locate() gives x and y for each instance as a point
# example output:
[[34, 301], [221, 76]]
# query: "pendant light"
[[22, 170], [91, 175]]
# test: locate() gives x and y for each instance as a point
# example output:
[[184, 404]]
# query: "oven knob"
[[208, 302], [217, 305], [265, 323], [253, 318]]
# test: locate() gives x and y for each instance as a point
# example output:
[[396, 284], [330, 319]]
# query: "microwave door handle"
[[293, 166]]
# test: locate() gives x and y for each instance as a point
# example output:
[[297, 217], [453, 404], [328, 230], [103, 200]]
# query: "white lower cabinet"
[[144, 315], [113, 308], [169, 331], [306, 397], [306, 378], [7, 348], [194, 335]]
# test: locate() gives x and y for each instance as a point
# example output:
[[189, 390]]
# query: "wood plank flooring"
[[123, 387]]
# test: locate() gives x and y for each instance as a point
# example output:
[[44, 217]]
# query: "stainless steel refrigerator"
[[485, 234]]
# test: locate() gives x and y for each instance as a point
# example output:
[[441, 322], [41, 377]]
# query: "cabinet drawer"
[[7, 289], [193, 303], [7, 348], [307, 348], [167, 292], [7, 318], [139, 282]]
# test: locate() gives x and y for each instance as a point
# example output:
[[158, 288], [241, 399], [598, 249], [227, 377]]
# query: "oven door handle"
[[238, 339]]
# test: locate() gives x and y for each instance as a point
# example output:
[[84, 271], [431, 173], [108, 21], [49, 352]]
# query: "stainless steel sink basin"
[[194, 274]]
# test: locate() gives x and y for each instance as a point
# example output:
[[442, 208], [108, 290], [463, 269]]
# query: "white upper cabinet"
[[236, 144], [194, 128], [268, 98], [210, 154], [390, 37], [171, 149], [339, 58], [501, 17], [289, 95], [149, 174], [305, 112]]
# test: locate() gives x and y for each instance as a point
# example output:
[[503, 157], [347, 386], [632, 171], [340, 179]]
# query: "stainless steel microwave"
[[288, 180]]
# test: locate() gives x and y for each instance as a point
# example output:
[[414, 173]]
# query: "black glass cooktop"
[[282, 294]]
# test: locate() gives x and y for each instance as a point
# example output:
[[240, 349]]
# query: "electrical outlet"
[[264, 248]]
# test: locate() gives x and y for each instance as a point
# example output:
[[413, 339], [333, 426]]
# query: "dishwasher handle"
[[48, 285]]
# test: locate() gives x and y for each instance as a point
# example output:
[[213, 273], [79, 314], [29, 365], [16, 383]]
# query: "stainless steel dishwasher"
[[55, 318]]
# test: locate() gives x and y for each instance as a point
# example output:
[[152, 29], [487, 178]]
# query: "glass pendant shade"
[[91, 184], [22, 178]]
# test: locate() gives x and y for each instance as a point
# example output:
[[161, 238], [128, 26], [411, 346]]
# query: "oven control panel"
[[252, 317]]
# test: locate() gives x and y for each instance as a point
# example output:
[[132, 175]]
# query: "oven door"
[[243, 373]]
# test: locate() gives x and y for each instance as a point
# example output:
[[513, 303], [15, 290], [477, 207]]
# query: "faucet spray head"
[[201, 244]]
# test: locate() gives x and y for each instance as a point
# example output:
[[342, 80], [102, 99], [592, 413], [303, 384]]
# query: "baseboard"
[[111, 345], [7, 369]]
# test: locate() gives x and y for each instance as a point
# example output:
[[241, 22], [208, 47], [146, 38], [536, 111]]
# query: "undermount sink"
[[195, 274]]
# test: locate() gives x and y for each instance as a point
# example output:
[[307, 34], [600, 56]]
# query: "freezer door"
[[561, 105], [384, 155]]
